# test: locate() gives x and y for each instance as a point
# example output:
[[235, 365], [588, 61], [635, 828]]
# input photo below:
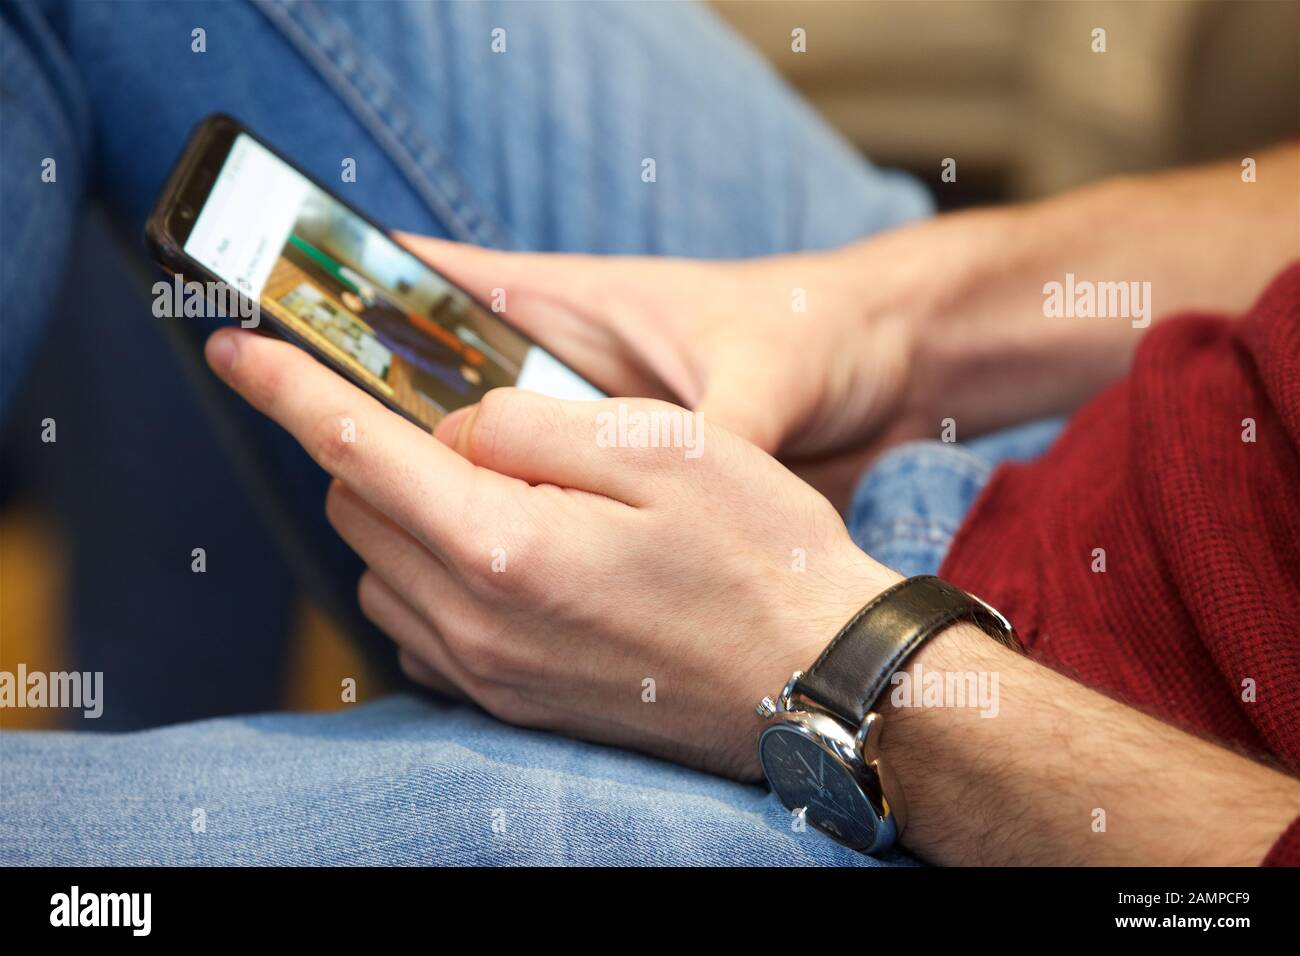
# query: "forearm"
[[985, 350], [1065, 775]]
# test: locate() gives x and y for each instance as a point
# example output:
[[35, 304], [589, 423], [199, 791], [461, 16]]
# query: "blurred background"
[[1014, 91], [997, 85]]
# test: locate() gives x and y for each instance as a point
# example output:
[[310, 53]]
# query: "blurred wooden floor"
[[31, 627]]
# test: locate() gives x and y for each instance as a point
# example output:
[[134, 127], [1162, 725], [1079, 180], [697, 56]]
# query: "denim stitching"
[[952, 458], [342, 65], [910, 531]]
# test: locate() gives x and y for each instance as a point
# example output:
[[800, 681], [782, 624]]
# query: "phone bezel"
[[188, 187]]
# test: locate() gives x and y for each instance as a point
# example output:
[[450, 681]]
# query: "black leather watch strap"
[[856, 667]]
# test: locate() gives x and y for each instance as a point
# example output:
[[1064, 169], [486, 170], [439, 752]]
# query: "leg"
[[138, 481], [44, 143], [538, 147], [396, 782], [403, 781]]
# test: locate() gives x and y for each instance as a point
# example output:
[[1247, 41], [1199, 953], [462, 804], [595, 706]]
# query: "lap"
[[413, 781], [400, 781]]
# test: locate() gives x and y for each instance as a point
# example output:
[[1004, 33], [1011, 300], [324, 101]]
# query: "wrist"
[[987, 353], [821, 749], [823, 607], [961, 649], [802, 629], [963, 324], [940, 288]]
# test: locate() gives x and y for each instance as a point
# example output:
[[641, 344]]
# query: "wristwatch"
[[821, 748]]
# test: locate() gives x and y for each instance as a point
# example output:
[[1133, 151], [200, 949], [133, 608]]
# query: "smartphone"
[[237, 216]]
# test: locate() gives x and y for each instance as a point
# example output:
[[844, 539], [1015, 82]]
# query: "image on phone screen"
[[349, 290]]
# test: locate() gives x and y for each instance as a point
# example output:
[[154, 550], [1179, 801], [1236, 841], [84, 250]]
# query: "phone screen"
[[345, 287]]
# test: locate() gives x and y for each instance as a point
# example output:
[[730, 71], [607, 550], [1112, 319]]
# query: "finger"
[[578, 306], [404, 564], [533, 278], [390, 462], [614, 448], [421, 673], [540, 292], [731, 400], [414, 636]]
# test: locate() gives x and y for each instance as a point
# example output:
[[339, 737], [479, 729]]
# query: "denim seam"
[[32, 30], [913, 530], [341, 64], [952, 458]]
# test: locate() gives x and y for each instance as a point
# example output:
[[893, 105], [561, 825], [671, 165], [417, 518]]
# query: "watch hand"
[[805, 763], [831, 809], [820, 787], [829, 812]]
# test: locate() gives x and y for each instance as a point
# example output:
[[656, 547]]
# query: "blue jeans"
[[409, 781], [540, 147]]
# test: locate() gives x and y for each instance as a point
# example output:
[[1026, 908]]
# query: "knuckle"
[[482, 657], [506, 704], [335, 505], [332, 441], [496, 410], [507, 569], [369, 594], [415, 669], [410, 667], [650, 437]]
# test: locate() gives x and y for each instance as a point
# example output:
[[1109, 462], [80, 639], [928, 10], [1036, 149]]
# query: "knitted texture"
[[1196, 617]]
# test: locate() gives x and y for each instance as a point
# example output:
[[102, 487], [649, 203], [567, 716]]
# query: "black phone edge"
[[173, 259]]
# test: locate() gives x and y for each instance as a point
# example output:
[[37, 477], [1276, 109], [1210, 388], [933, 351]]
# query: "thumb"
[[739, 397], [519, 283], [548, 441]]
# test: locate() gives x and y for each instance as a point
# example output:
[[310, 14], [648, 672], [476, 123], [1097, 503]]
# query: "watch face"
[[806, 777]]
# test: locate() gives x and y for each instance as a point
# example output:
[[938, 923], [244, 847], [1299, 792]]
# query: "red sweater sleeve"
[[1154, 551]]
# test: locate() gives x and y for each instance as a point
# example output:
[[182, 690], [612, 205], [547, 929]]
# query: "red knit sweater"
[[1200, 530]]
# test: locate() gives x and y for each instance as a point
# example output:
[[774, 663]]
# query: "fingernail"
[[220, 351], [448, 429]]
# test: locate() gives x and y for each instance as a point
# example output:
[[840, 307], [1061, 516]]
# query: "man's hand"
[[528, 559], [825, 359], [807, 356]]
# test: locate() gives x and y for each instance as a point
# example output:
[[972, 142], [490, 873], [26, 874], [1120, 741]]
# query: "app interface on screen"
[[359, 297]]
